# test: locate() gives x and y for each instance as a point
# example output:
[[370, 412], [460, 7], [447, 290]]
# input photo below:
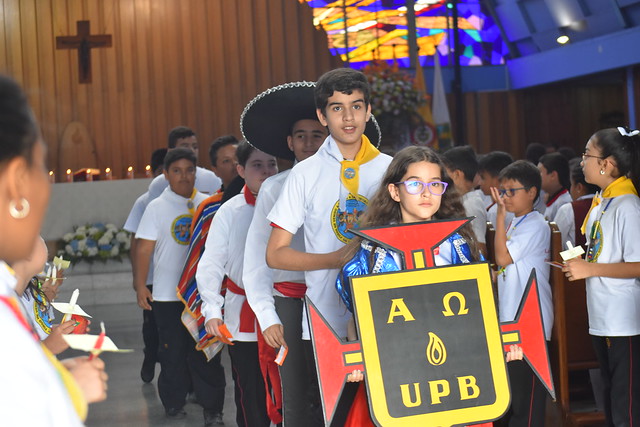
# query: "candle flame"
[[68, 171], [130, 169], [50, 173], [148, 167], [108, 170]]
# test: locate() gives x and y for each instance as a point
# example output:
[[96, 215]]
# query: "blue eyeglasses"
[[510, 192], [413, 186]]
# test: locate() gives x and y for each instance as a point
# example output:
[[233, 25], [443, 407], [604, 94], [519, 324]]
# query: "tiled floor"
[[130, 402]]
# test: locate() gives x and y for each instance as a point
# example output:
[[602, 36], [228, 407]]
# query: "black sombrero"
[[267, 119]]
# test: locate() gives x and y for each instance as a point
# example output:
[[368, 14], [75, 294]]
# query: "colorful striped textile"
[[187, 289]]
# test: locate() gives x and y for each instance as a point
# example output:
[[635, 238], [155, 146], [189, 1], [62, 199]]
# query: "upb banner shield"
[[432, 346]]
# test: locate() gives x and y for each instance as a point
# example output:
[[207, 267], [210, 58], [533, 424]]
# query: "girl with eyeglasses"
[[612, 267], [415, 188]]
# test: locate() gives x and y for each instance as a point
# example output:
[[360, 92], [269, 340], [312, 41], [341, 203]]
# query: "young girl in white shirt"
[[414, 188], [611, 161]]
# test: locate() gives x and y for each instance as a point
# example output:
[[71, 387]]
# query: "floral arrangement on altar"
[[393, 91], [95, 242]]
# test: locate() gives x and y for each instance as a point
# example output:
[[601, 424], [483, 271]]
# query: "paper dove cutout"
[[71, 307], [87, 342], [61, 263], [571, 252]]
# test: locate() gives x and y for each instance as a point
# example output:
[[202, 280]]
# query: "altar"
[[79, 203]]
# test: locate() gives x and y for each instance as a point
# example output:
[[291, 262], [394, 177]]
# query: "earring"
[[601, 171], [19, 213]]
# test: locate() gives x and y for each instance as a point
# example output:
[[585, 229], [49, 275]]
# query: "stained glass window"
[[377, 29]]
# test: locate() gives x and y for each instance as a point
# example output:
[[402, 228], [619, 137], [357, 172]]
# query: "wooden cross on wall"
[[84, 42]]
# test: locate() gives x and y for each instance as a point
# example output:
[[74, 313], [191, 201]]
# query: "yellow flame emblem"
[[436, 351]]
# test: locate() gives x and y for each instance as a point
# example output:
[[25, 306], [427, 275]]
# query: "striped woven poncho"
[[187, 288]]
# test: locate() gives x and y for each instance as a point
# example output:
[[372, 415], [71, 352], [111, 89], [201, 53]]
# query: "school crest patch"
[[343, 222], [595, 247], [181, 229]]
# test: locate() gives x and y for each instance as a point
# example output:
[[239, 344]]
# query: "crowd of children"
[[253, 259], [236, 267]]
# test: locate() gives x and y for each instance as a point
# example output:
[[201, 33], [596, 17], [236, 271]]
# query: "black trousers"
[[250, 397], [528, 397], [619, 359], [298, 403], [150, 334], [181, 364]]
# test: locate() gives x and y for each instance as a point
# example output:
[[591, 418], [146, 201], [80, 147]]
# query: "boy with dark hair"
[[326, 194], [519, 248], [149, 329], [164, 232], [182, 136], [570, 216], [206, 181], [224, 255], [224, 162], [281, 121], [554, 169], [489, 167], [462, 167], [157, 161]]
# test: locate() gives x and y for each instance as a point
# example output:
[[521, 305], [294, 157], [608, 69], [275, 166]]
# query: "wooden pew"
[[571, 351]]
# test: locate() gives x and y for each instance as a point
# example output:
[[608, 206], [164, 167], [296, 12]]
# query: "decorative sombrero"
[[268, 118]]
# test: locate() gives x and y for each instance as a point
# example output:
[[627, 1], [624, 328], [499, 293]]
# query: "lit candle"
[[130, 172], [147, 171], [52, 177], [107, 174], [89, 175], [69, 176]]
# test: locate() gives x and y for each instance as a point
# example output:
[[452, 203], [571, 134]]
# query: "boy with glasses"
[[521, 247]]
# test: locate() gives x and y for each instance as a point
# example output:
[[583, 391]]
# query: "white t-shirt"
[[133, 221], [207, 182], [167, 221], [539, 204], [529, 241], [492, 214], [312, 196], [31, 392], [224, 254], [257, 277], [614, 304], [565, 219], [552, 208], [474, 206]]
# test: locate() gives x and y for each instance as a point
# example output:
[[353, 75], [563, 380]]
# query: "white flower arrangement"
[[393, 91], [95, 242]]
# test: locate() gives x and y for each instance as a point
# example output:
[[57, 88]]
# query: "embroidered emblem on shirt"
[[180, 229], [595, 247], [344, 221]]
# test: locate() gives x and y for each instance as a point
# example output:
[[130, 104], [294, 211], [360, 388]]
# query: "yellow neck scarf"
[[619, 187], [190, 205], [350, 168]]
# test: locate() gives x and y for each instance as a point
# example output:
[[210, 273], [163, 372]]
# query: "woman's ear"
[[393, 192], [16, 176]]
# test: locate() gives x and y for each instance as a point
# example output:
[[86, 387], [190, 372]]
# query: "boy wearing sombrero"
[[325, 190], [281, 121]]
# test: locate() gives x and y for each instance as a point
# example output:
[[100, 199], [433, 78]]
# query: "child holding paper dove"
[[611, 161], [36, 304]]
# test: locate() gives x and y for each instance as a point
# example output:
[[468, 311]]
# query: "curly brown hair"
[[383, 210]]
